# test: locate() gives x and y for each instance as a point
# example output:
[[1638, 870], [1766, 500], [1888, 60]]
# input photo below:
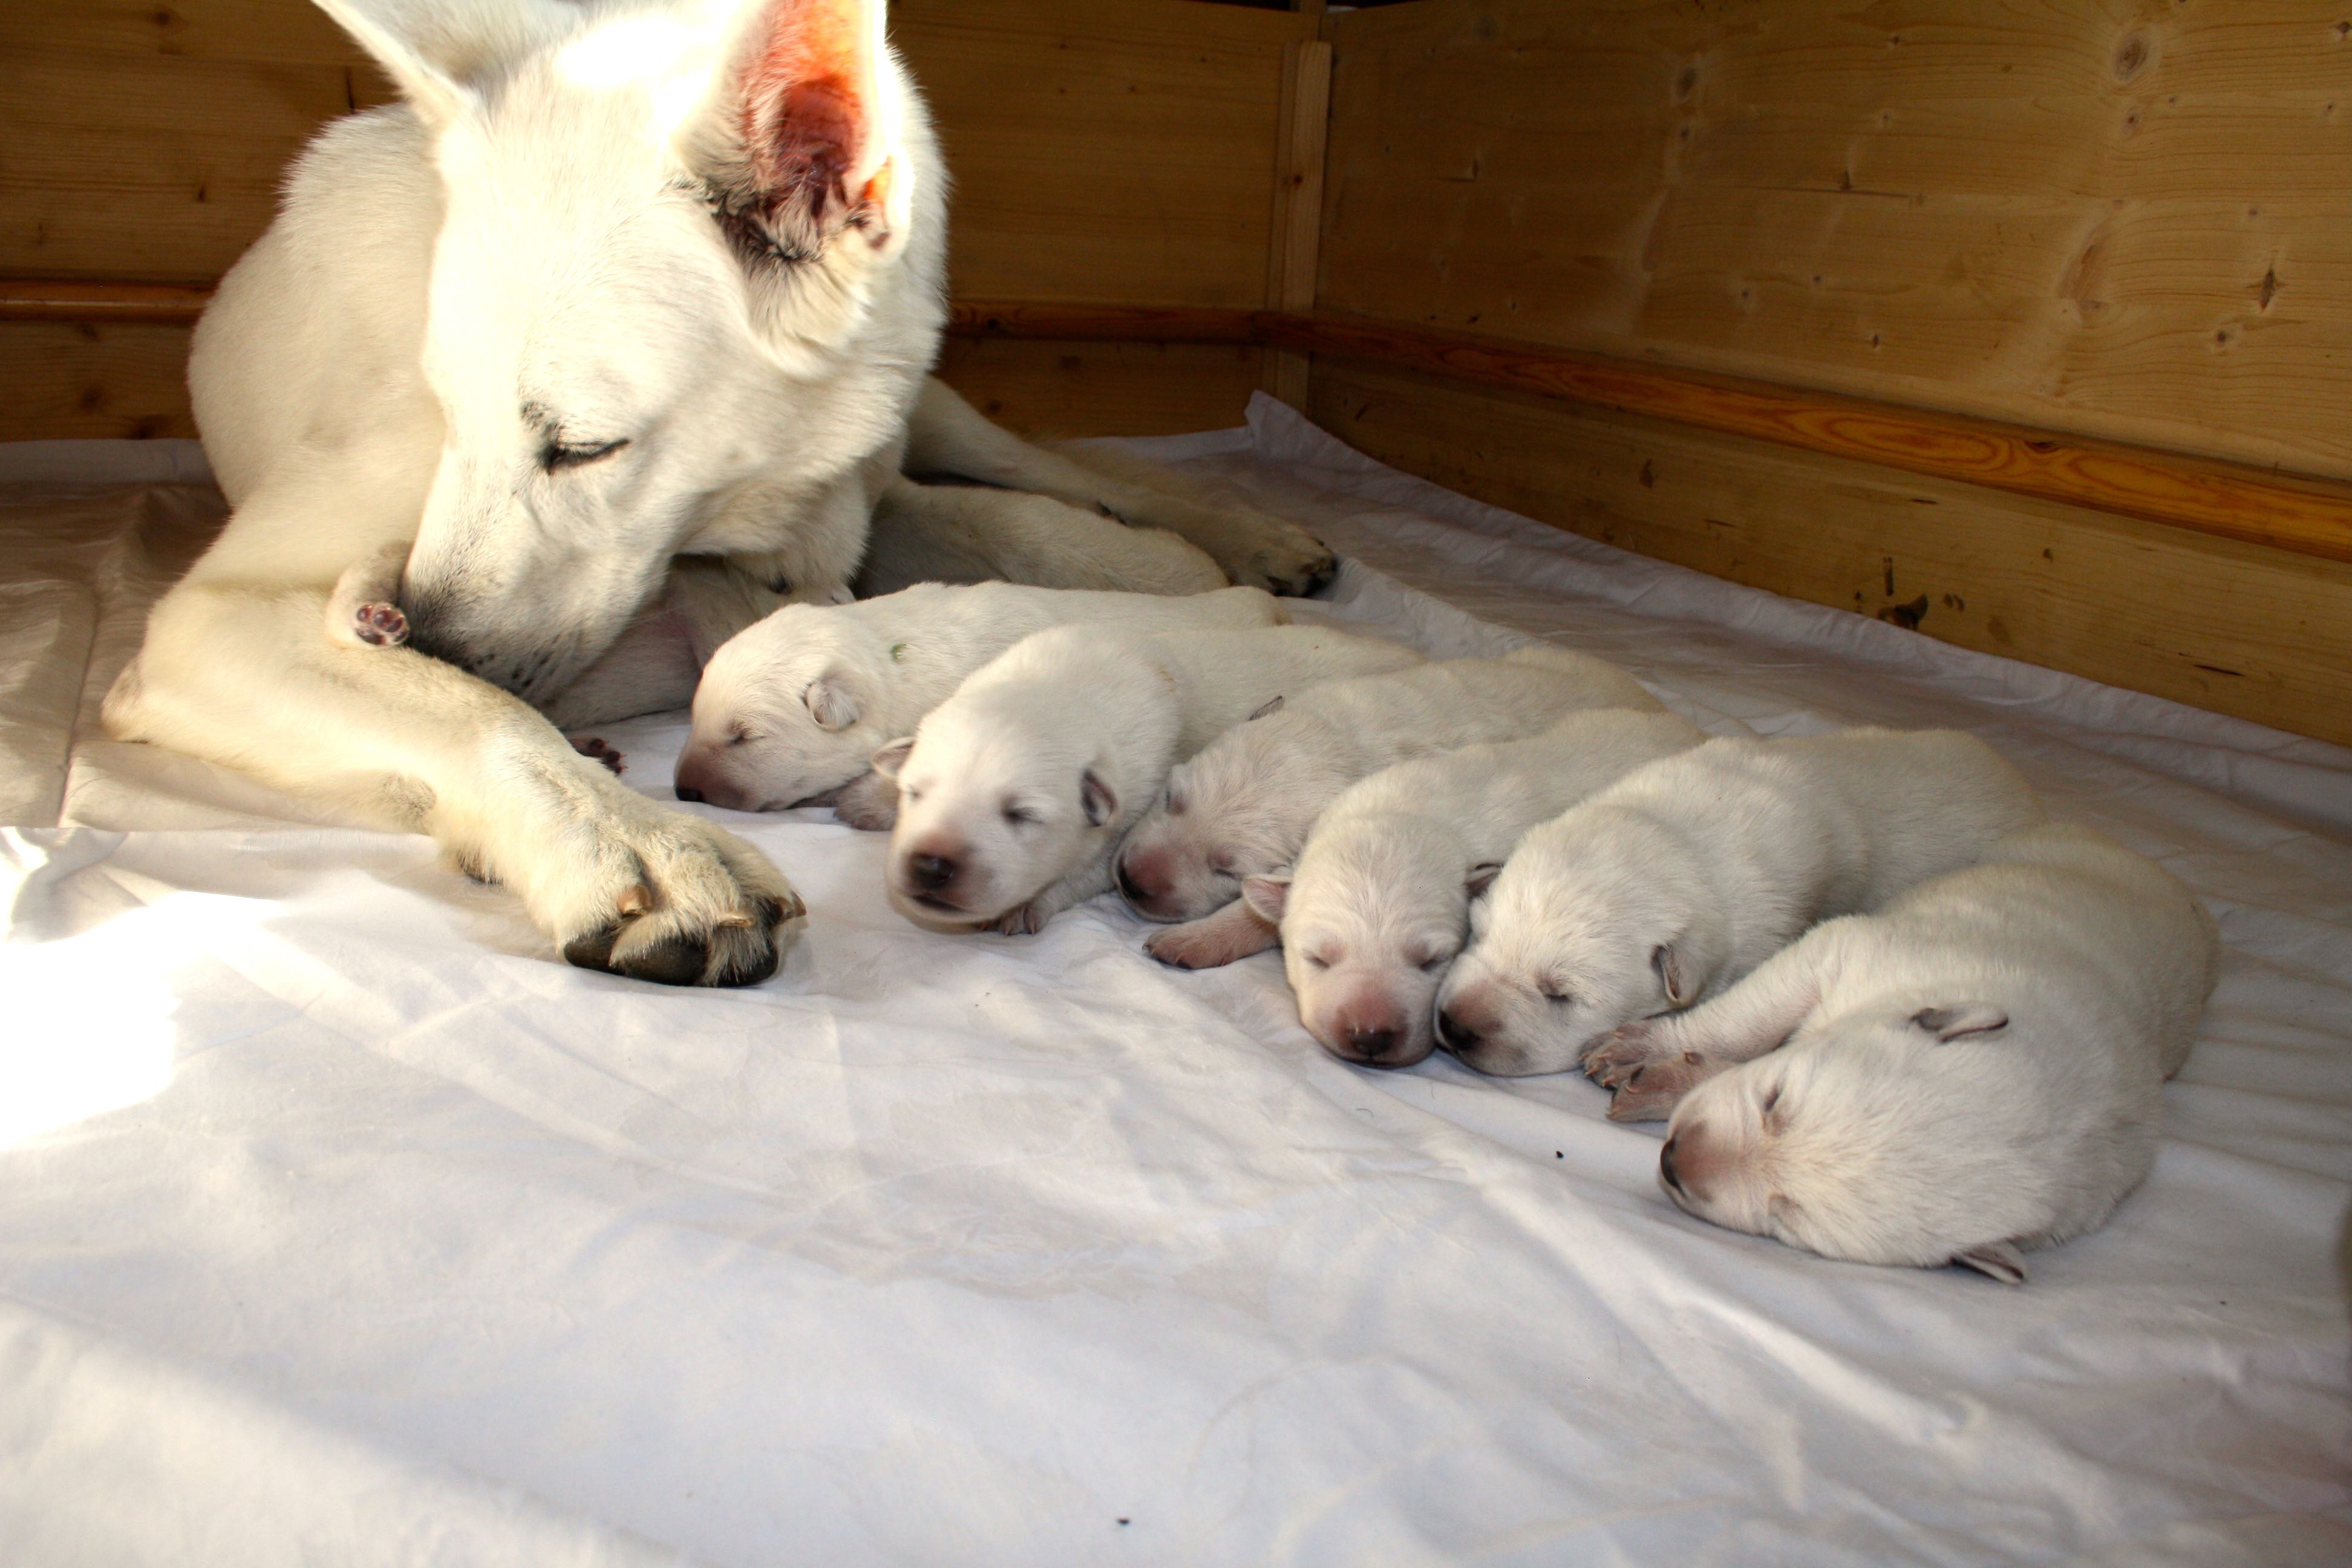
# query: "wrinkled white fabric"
[[341, 1223]]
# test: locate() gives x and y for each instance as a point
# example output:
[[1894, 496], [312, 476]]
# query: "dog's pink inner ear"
[[808, 107], [1267, 897]]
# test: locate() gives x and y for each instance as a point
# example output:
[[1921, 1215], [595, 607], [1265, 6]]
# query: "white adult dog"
[[1681, 878], [617, 284], [791, 708], [1013, 793], [1243, 807], [1971, 1071], [1375, 909]]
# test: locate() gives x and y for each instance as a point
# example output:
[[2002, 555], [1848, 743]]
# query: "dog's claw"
[[594, 747]]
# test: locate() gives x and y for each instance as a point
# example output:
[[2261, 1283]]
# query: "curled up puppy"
[[1377, 904], [1973, 1071], [1014, 791], [1687, 874], [1243, 807], [789, 709]]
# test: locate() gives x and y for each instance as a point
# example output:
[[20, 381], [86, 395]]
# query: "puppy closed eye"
[[1553, 991], [1317, 961], [1435, 963], [557, 455], [1020, 815]]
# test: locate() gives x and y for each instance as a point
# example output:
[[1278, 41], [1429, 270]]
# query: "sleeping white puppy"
[[1971, 1071], [1243, 807], [1683, 875], [1013, 792], [789, 709], [1376, 908]]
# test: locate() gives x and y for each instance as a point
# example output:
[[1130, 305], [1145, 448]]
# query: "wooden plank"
[[1086, 322], [1056, 389], [1105, 153], [249, 32], [1298, 205], [2112, 217], [73, 380], [2230, 502], [73, 299], [2236, 628]]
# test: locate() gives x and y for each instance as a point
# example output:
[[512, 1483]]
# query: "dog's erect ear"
[[1996, 1260], [439, 52], [1100, 801], [1674, 974], [832, 702], [1481, 877], [892, 757], [1968, 1018], [1267, 895], [804, 127]]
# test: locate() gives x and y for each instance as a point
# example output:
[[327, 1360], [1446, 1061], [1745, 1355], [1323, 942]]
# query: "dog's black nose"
[[1371, 1043], [1453, 1035], [688, 792], [1126, 888], [1667, 1165], [932, 872]]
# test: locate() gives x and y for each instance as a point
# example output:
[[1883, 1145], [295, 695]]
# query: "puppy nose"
[[931, 872], [1126, 881], [1455, 1035], [688, 792], [1372, 1041], [1667, 1163]]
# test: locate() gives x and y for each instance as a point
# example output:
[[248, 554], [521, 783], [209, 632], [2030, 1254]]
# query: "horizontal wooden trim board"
[[2308, 516]]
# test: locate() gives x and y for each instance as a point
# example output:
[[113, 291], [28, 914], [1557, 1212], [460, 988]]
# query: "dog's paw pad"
[[379, 625], [594, 746]]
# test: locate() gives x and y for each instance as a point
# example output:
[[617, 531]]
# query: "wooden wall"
[[1100, 152], [2129, 220]]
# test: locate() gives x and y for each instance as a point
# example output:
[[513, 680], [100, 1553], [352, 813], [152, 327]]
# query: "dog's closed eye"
[[557, 455]]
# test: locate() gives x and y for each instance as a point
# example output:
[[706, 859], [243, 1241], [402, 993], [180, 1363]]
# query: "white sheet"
[[339, 1223]]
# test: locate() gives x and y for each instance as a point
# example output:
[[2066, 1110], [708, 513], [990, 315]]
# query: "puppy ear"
[[1481, 878], [1267, 895], [1949, 1023], [892, 757], [1095, 794], [1270, 705], [1680, 987], [1995, 1259], [799, 142], [831, 701]]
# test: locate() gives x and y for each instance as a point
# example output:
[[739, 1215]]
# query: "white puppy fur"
[[1682, 877], [1013, 792], [1971, 1071], [1243, 807], [791, 708], [1378, 906]]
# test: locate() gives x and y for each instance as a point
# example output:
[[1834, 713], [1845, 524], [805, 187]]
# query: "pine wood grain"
[[2121, 218], [2236, 628]]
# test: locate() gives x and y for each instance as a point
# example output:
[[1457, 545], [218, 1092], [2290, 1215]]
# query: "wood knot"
[[2131, 56]]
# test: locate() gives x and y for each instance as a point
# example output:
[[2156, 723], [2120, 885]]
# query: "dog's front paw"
[[1280, 557], [1625, 1050], [868, 803], [1651, 1092], [593, 746], [670, 898], [1230, 935], [379, 625]]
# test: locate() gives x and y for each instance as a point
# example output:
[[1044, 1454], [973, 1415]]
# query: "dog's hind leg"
[[240, 675], [948, 435], [932, 533]]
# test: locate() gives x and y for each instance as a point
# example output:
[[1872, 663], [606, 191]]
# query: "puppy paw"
[[1230, 935], [1651, 1092], [593, 746], [1624, 1050], [868, 803], [1289, 561], [1026, 920], [379, 625]]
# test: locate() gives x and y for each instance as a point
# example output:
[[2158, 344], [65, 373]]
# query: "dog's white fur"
[[1376, 908], [1243, 806], [1025, 780], [616, 284], [1682, 877], [792, 708], [1971, 1071]]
